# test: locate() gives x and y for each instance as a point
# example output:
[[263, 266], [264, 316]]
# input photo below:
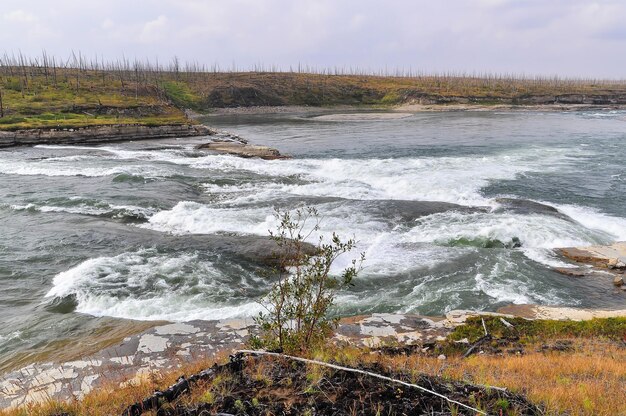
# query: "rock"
[[100, 134], [243, 150], [571, 271], [524, 206], [618, 281], [441, 357], [606, 256]]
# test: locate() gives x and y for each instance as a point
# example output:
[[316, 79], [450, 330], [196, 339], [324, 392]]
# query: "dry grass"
[[588, 380], [117, 395]]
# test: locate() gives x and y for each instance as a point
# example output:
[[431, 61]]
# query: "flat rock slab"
[[100, 134], [164, 347], [560, 313], [240, 149], [600, 256], [167, 347]]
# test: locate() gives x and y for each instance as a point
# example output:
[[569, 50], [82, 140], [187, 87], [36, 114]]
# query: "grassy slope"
[[78, 99], [232, 89], [33, 98], [586, 378]]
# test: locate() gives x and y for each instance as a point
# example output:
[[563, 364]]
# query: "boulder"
[[242, 150], [618, 281]]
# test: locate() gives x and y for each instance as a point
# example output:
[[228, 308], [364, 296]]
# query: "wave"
[[77, 205], [48, 167], [448, 179], [147, 285], [596, 220]]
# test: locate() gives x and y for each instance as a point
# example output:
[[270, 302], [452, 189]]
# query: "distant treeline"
[[20, 64], [41, 90]]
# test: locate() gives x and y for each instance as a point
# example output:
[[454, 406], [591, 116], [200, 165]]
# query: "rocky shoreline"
[[607, 259], [221, 142], [411, 107], [100, 134], [167, 346]]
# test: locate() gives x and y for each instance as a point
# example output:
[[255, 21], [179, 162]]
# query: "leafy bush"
[[298, 303]]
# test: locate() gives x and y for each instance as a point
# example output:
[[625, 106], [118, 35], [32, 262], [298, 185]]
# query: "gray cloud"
[[567, 37]]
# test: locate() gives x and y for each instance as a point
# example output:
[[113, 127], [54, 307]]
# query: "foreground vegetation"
[[42, 93], [573, 368]]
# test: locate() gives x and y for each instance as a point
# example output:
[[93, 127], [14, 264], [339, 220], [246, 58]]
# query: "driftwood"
[[481, 340], [472, 349]]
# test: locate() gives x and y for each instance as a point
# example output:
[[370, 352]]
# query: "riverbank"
[[78, 98], [406, 108], [100, 134], [438, 344]]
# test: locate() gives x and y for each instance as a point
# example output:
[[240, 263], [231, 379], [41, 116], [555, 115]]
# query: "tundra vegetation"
[[298, 304], [48, 92], [573, 368]]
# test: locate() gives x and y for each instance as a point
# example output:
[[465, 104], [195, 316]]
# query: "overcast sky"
[[566, 37]]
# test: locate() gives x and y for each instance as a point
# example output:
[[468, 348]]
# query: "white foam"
[[89, 209], [596, 220], [51, 167], [449, 179], [149, 286]]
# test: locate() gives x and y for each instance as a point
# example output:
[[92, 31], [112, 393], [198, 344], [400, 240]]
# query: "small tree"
[[298, 303]]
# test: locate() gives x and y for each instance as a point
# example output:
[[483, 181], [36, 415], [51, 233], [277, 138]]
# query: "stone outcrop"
[[166, 346], [100, 134], [611, 256], [245, 150], [560, 313], [608, 261]]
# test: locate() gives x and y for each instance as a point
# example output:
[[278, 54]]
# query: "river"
[[458, 210]]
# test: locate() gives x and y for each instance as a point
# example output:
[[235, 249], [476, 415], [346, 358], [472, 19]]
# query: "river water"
[[91, 235]]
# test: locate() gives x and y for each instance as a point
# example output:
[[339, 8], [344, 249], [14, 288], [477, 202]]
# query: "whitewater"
[[452, 211]]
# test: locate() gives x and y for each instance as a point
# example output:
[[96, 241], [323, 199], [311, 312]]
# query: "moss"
[[392, 97], [181, 95], [533, 330]]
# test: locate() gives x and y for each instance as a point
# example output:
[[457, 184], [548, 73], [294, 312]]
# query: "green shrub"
[[296, 317]]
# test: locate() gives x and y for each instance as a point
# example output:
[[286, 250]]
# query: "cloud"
[[568, 37], [19, 16], [107, 24], [154, 30]]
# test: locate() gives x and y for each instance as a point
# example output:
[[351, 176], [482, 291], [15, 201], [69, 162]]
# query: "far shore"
[[404, 108]]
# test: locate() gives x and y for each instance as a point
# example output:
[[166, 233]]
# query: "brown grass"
[[588, 380]]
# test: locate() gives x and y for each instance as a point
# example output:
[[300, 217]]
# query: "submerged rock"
[[525, 207], [410, 210]]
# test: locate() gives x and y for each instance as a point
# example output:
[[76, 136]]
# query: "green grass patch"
[[538, 330], [71, 120], [181, 95]]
